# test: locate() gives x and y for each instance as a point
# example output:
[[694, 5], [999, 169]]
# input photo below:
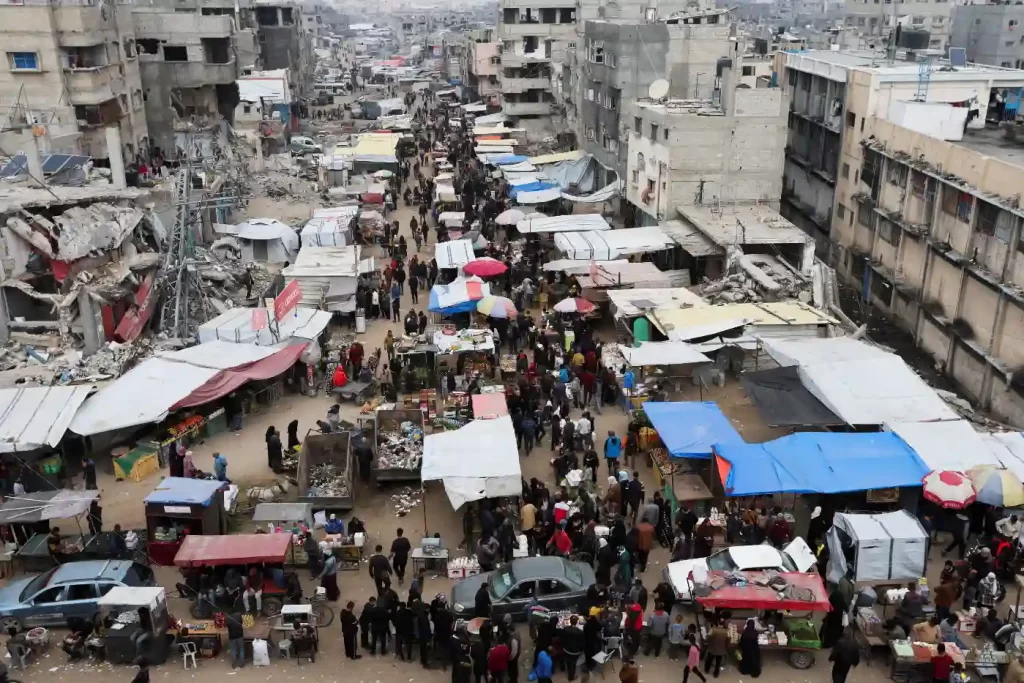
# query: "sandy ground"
[[246, 455]]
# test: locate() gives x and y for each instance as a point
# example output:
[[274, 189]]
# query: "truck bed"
[[389, 420], [318, 449]]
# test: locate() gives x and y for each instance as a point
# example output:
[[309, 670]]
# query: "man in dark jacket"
[[366, 622], [380, 621], [405, 629], [380, 569], [572, 645], [482, 602], [349, 630]]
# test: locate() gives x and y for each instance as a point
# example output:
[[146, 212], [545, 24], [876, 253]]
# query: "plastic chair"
[[612, 648], [284, 649], [188, 651], [20, 654]]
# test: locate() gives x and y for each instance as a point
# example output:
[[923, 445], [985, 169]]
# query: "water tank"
[[913, 39]]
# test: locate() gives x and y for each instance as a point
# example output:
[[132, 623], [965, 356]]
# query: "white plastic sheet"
[[470, 472]]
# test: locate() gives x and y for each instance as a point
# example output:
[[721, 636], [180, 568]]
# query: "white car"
[[795, 557]]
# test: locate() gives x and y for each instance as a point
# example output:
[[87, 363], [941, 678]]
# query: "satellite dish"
[[658, 89]]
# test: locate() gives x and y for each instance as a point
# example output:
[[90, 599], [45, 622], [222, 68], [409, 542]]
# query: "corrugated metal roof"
[[620, 273], [735, 315], [325, 262], [692, 240], [34, 417], [631, 303]]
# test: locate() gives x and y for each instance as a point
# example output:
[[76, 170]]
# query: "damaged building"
[[190, 57]]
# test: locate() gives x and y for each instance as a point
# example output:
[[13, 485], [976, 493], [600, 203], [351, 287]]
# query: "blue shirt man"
[[220, 466]]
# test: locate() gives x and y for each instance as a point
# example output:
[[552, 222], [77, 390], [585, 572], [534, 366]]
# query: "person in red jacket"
[[340, 378], [497, 661], [355, 356], [561, 541]]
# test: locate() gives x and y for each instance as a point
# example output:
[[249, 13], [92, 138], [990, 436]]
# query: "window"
[[129, 48], [918, 183], [950, 197], [1005, 65], [523, 591], [175, 53], [654, 132], [748, 71], [918, 20], [638, 126], [846, 170], [881, 289], [23, 61], [1010, 24], [664, 134], [636, 176], [898, 174], [247, 108], [611, 60], [991, 220], [889, 232], [851, 119], [49, 596], [82, 591], [840, 212], [552, 587], [105, 588], [864, 215], [963, 209]]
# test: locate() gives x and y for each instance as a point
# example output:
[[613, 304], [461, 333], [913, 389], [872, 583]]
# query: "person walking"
[[329, 573], [750, 650], [400, 549], [572, 646], [612, 451], [693, 661], [236, 640], [380, 569], [396, 303], [718, 647], [542, 666], [845, 655], [349, 630]]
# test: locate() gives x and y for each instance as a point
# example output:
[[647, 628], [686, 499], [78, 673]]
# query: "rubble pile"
[[405, 500], [66, 365], [329, 481], [223, 275], [757, 278], [402, 449]]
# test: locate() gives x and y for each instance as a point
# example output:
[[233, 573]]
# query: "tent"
[[891, 546], [235, 325], [784, 401], [454, 253], [329, 227], [689, 429], [612, 244], [472, 472], [575, 223], [43, 506], [818, 462], [661, 353], [266, 239], [950, 445], [458, 296]]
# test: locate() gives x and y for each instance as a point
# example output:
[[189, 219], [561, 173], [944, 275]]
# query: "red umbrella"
[[949, 488], [485, 267]]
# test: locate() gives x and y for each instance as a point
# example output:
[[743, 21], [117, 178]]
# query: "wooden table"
[[905, 667]]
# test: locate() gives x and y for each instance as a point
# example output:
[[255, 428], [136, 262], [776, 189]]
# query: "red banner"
[[259, 318], [287, 300]]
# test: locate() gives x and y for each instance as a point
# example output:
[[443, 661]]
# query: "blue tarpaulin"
[[435, 307], [818, 462], [535, 186], [181, 491], [690, 428], [506, 159]]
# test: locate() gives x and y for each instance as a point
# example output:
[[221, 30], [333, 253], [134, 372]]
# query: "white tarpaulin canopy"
[[454, 253], [235, 325], [34, 417], [861, 384], [608, 245], [578, 222], [470, 472], [950, 445], [1009, 448], [538, 196], [661, 353], [891, 546]]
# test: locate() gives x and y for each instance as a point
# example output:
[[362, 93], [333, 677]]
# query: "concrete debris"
[[78, 232], [64, 365], [329, 481], [223, 275], [757, 278]]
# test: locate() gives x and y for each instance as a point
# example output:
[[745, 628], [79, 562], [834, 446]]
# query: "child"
[[676, 637], [693, 662]]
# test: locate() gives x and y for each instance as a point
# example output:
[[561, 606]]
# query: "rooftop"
[[754, 224], [20, 195], [874, 61], [993, 142], [681, 107]]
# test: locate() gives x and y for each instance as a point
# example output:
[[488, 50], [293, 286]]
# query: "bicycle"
[[322, 612]]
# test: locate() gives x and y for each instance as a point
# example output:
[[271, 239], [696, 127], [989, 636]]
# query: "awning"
[[212, 551], [235, 326], [818, 462], [529, 198], [226, 381], [134, 596], [182, 491], [489, 406], [783, 401], [284, 512], [454, 253], [459, 296], [579, 222], [689, 429], [470, 472], [950, 445], [751, 596], [43, 506], [35, 417], [611, 244], [661, 353]]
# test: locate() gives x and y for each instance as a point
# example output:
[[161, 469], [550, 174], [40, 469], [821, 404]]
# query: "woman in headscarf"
[[177, 460], [329, 573], [664, 526], [750, 651], [188, 467], [273, 449], [293, 436], [832, 626]]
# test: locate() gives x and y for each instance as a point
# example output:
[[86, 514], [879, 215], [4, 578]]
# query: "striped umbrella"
[[996, 486], [949, 489], [497, 307], [574, 305]]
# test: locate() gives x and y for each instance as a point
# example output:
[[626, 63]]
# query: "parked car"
[[558, 584], [70, 590], [300, 144], [795, 557]]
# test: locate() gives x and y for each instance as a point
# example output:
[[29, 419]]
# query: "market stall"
[[471, 349], [122, 604], [775, 593], [687, 431], [660, 361], [293, 518], [180, 507], [398, 445], [418, 364], [29, 515], [490, 405], [887, 548]]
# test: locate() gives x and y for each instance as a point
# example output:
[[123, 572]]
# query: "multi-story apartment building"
[[876, 18], [617, 63], [925, 223], [533, 44], [992, 34], [70, 69], [726, 149], [482, 65], [284, 43], [190, 55]]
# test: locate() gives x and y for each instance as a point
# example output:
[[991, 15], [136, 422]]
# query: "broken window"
[[175, 53], [991, 220], [881, 289], [889, 232], [87, 57], [267, 16], [148, 46], [217, 50], [286, 16], [129, 47], [865, 216], [898, 174]]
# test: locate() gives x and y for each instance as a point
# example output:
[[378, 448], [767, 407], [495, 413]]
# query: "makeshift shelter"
[[36, 417], [42, 506], [454, 253], [236, 326], [783, 400], [327, 276], [662, 353], [892, 546], [266, 239], [862, 384], [151, 390], [198, 505], [459, 296], [329, 227], [690, 429], [818, 462], [600, 279], [950, 445], [612, 244], [470, 472]]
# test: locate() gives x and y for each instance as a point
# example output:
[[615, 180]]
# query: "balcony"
[[198, 74], [528, 108], [511, 59], [162, 25], [519, 85], [92, 85], [513, 31]]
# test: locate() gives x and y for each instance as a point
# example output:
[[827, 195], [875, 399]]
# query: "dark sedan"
[[557, 583]]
